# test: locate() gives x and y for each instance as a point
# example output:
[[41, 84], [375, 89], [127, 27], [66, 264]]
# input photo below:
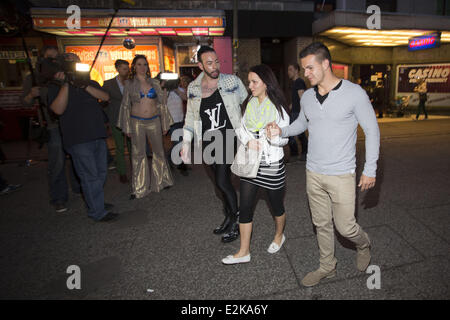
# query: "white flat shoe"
[[274, 248], [232, 260]]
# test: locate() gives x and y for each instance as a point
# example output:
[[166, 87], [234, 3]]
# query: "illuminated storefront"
[[437, 77], [104, 66], [157, 34], [163, 36], [392, 57]]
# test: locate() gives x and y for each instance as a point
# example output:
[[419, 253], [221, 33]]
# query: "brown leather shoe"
[[363, 258], [313, 278]]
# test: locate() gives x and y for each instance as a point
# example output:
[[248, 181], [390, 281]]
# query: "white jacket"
[[272, 148]]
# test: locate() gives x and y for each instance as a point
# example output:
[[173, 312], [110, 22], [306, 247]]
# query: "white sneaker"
[[232, 260], [274, 248]]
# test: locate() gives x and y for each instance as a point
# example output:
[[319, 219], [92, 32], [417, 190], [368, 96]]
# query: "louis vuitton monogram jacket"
[[233, 93]]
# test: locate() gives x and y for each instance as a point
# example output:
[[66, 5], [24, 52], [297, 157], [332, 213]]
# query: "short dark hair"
[[119, 62], [295, 65], [47, 48], [319, 50], [202, 50]]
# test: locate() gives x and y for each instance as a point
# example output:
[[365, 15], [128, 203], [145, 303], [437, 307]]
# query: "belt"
[[140, 118]]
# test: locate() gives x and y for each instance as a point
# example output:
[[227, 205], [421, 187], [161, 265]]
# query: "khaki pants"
[[333, 198], [145, 180]]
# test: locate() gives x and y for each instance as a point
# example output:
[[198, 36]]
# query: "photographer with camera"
[[82, 123], [32, 90]]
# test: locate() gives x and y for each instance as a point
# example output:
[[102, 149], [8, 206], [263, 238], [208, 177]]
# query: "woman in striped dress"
[[263, 106]]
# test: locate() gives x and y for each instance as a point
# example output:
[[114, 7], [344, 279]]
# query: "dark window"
[[385, 5]]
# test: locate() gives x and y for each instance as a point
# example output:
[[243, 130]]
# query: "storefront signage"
[[437, 77], [134, 26], [424, 42], [104, 66], [12, 55], [134, 22]]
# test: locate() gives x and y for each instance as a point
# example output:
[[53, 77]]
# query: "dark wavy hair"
[[274, 91], [133, 66]]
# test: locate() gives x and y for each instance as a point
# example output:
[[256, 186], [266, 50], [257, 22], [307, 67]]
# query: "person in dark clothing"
[[378, 98], [57, 180], [298, 88], [82, 123], [421, 88], [115, 88]]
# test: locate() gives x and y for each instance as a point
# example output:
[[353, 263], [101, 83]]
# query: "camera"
[[168, 76], [77, 74], [169, 80]]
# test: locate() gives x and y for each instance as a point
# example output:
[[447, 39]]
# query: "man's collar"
[[316, 87], [198, 80]]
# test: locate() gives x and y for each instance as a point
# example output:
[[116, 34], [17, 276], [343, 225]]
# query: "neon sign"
[[427, 41]]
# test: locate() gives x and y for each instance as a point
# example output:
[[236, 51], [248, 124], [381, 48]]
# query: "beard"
[[213, 75]]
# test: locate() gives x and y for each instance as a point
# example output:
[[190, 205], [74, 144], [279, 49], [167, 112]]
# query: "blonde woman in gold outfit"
[[143, 115]]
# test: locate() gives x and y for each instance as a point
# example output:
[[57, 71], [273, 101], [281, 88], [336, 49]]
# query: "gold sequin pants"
[[145, 180]]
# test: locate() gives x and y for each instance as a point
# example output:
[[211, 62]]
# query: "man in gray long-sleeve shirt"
[[331, 111]]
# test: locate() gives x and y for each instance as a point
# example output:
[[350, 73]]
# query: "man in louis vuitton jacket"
[[213, 113]]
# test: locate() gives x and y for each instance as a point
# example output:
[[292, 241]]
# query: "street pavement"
[[162, 247]]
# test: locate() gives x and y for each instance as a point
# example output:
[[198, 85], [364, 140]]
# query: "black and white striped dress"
[[271, 176]]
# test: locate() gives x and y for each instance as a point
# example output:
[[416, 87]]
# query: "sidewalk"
[[17, 151], [165, 243], [412, 117]]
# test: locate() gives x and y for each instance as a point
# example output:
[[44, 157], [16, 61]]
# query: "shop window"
[[385, 5], [324, 6], [187, 55], [443, 7]]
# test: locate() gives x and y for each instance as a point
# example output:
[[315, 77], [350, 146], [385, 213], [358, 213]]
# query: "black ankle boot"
[[232, 232], [224, 226]]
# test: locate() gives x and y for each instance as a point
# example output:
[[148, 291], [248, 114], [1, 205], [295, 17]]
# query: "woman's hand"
[[272, 130], [185, 153], [254, 144]]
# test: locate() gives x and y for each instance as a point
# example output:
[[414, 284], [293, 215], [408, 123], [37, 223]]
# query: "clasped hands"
[[365, 182], [272, 130]]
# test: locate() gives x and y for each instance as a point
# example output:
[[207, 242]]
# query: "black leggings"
[[248, 193], [222, 175]]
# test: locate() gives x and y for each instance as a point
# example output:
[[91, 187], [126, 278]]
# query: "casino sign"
[[427, 41]]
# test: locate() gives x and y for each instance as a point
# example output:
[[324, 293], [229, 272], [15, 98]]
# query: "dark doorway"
[[272, 54], [192, 72], [373, 77]]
